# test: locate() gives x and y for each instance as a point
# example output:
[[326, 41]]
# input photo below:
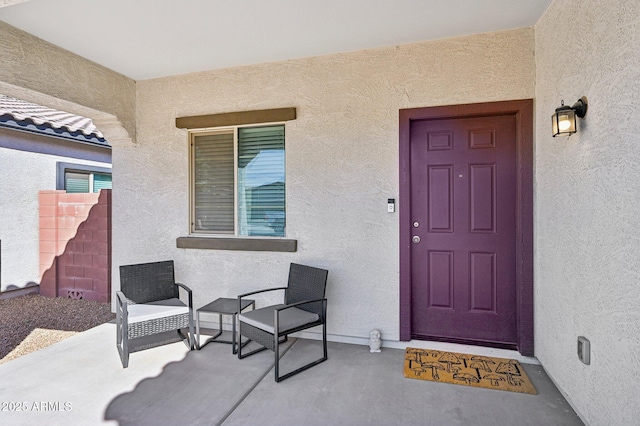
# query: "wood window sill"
[[242, 244]]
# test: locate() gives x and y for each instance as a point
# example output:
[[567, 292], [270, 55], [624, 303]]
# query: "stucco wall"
[[23, 174], [587, 203], [341, 159], [31, 63]]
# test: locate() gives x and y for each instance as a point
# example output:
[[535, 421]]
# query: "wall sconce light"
[[563, 122]]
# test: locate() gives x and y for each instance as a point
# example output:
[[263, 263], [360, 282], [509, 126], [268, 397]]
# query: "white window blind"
[[213, 183], [77, 182]]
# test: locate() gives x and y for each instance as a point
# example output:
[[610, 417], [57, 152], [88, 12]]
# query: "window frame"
[[62, 168], [230, 129]]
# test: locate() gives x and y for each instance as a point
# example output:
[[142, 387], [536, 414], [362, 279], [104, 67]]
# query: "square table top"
[[225, 305]]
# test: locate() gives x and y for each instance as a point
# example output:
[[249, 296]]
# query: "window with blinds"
[[101, 181], [238, 181], [80, 182], [77, 182], [261, 181]]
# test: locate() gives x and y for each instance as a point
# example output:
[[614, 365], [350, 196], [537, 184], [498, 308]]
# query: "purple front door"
[[463, 219]]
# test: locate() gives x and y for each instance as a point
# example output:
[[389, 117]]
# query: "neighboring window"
[[238, 181], [86, 182], [79, 178], [76, 182], [101, 181]]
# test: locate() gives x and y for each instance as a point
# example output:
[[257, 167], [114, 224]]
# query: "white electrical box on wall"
[[584, 350]]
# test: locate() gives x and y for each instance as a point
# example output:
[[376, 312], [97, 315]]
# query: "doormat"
[[463, 369]]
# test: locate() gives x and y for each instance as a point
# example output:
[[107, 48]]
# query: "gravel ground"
[[32, 322]]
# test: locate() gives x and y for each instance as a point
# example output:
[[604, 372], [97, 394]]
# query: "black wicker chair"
[[304, 307], [149, 303]]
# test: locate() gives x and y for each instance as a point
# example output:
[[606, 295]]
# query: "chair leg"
[[186, 339], [193, 340], [241, 345], [122, 340], [189, 339], [324, 340], [124, 354], [304, 367], [118, 330], [240, 339], [255, 351], [276, 350]]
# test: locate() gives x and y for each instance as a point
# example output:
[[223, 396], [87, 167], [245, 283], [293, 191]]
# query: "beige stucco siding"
[[40, 67], [341, 159], [587, 203]]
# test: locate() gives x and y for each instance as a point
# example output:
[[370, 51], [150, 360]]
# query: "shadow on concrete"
[[202, 389]]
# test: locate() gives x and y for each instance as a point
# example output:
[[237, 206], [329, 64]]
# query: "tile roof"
[[19, 114]]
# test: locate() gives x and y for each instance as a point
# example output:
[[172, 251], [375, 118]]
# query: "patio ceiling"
[[145, 39]]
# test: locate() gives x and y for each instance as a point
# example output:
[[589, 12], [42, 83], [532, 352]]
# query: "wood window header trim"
[[236, 118]]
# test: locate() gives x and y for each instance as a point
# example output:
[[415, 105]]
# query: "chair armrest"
[[276, 313], [121, 303], [189, 292], [304, 302], [242, 296], [293, 305]]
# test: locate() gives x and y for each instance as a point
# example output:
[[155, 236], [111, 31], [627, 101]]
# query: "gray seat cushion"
[[289, 318]]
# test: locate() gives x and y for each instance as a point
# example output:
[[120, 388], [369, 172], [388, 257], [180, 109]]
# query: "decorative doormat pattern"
[[464, 369]]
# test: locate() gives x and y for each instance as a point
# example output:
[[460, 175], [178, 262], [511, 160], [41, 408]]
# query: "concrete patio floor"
[[80, 381]]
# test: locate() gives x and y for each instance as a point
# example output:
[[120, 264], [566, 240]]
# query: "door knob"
[[415, 239]]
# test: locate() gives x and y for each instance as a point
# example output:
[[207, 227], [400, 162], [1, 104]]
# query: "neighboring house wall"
[[28, 164], [587, 206], [341, 163]]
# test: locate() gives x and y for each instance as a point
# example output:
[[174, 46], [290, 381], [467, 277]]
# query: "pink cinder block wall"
[[75, 245]]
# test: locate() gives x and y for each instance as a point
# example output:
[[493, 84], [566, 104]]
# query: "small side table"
[[223, 306]]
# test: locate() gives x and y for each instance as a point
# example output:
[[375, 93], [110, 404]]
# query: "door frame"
[[523, 111]]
